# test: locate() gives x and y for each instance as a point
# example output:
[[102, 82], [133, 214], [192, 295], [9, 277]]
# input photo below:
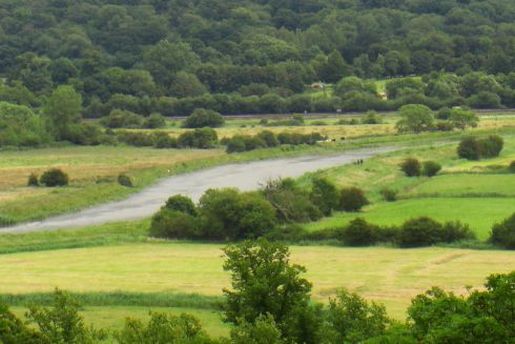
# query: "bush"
[[471, 148], [360, 233], [54, 177], [154, 121], [288, 232], [269, 138], [352, 199], [122, 119], [455, 231], [290, 202], [201, 118], [444, 113], [324, 195], [511, 168], [422, 231], [411, 167], [33, 180], [125, 180], [503, 234], [182, 204], [227, 214], [203, 138], [431, 168], [163, 140], [236, 145], [389, 195], [170, 224], [372, 118], [137, 139]]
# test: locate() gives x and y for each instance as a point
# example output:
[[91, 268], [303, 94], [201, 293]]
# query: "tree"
[[264, 282], [462, 118], [14, 331], [19, 126], [325, 195], [415, 118], [63, 111]]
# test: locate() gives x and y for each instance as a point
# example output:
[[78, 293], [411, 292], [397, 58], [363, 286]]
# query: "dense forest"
[[255, 56]]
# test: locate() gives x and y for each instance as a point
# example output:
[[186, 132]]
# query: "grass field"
[[391, 276], [478, 193]]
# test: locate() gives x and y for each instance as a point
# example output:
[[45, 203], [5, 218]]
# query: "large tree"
[[63, 111]]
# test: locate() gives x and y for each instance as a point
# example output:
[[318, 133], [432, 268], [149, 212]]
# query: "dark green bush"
[[269, 138], [471, 148], [511, 168], [455, 231], [122, 119], [235, 145], [33, 180], [163, 140], [389, 195], [125, 180], [422, 231], [372, 118], [290, 202], [444, 113], [289, 232], [228, 214], [181, 203], [203, 138], [54, 177], [503, 234], [201, 118], [352, 199], [154, 121], [360, 233], [411, 167], [170, 224], [137, 139], [431, 168], [324, 195]]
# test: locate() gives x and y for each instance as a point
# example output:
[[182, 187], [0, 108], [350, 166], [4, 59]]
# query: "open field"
[[391, 276], [478, 193]]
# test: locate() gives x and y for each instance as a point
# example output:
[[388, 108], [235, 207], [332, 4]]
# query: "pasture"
[[390, 276]]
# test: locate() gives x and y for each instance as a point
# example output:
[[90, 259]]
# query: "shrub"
[[511, 168], [137, 139], [154, 121], [444, 113], [54, 177], [372, 118], [201, 118], [422, 231], [352, 199], [389, 195], [203, 138], [163, 140], [182, 204], [455, 231], [236, 145], [122, 119], [290, 202], [324, 195], [170, 224], [503, 234], [411, 167], [33, 180], [269, 138], [471, 148], [125, 180], [289, 232], [227, 214], [360, 233], [431, 168]]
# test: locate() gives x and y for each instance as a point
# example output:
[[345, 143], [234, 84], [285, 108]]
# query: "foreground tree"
[[264, 283]]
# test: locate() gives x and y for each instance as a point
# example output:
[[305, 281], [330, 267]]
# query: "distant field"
[[388, 275]]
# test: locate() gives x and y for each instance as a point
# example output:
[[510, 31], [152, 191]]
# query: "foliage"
[[411, 167], [173, 224], [511, 168], [33, 180], [203, 138], [351, 319], [122, 119], [181, 203], [262, 331], [360, 233], [201, 118], [352, 199], [63, 110], [14, 331], [324, 195], [503, 234], [154, 121], [415, 118], [430, 168], [471, 148], [389, 195], [424, 231], [54, 177], [19, 126], [462, 118], [163, 328], [264, 283], [125, 180]]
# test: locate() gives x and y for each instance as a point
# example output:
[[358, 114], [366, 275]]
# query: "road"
[[245, 176]]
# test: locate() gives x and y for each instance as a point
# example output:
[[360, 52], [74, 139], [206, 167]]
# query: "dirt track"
[[246, 176]]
